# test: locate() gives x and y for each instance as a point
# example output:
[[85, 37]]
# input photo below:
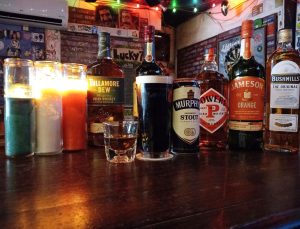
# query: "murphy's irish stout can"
[[185, 116]]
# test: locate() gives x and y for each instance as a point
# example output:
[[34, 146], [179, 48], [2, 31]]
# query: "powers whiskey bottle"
[[213, 104], [246, 105], [282, 93], [105, 92]]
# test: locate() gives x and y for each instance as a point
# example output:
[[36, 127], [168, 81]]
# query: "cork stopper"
[[149, 32], [247, 29], [285, 36]]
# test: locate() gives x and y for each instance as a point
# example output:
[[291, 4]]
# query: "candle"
[[48, 108], [74, 107], [19, 110]]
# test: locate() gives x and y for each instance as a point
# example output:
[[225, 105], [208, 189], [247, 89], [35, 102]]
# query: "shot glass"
[[120, 138]]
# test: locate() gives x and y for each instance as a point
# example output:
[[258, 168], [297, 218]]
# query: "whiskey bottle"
[[246, 90], [282, 93], [213, 104], [105, 91]]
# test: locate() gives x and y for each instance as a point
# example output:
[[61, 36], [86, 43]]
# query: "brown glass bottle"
[[246, 104], [282, 97], [105, 92], [213, 104]]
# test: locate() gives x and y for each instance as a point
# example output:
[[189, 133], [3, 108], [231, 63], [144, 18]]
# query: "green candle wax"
[[19, 126]]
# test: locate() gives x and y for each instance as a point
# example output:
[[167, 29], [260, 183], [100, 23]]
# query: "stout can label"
[[185, 116]]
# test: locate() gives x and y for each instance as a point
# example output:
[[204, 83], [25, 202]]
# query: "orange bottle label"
[[247, 98]]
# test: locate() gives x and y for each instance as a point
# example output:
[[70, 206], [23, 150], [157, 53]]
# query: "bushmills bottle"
[[282, 93]]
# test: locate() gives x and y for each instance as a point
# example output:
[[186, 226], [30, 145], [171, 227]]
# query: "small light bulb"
[[174, 10], [195, 10], [118, 1], [214, 5], [156, 8], [137, 5]]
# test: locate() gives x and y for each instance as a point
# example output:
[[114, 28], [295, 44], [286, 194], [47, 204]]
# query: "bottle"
[[154, 96], [105, 98], [185, 116], [282, 93], [246, 90], [213, 104]]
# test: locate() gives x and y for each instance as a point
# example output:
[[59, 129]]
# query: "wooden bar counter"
[[209, 190]]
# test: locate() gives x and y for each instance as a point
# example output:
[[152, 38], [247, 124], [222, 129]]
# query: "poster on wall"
[[128, 19], [229, 50], [106, 16], [17, 42]]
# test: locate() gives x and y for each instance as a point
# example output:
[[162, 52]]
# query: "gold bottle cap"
[[285, 35]]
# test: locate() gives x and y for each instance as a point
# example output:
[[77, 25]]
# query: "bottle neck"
[[104, 49], [210, 63], [246, 48], [149, 51], [284, 45]]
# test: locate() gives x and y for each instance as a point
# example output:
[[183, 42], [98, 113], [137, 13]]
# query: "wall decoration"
[[17, 42], [229, 52], [53, 51], [128, 19], [106, 16]]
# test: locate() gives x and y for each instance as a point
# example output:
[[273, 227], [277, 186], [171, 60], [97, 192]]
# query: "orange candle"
[[74, 95]]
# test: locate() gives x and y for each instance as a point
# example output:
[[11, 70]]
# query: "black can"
[[185, 116]]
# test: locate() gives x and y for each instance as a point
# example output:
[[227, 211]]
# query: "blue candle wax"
[[19, 126]]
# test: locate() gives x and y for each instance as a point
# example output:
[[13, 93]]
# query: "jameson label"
[[185, 116], [247, 98], [213, 110], [105, 90], [284, 88]]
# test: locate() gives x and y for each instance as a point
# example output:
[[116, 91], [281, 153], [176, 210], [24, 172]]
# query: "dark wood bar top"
[[209, 190]]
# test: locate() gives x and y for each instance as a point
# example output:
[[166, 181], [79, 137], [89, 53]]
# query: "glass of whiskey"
[[120, 140]]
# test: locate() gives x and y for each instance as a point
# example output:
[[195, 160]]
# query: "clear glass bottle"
[[213, 104], [282, 97], [105, 92], [246, 104]]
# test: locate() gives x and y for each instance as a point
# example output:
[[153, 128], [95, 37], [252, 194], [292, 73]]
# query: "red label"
[[247, 98], [213, 110]]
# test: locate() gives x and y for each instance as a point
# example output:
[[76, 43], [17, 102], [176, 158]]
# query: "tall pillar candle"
[[19, 114], [74, 107], [48, 108]]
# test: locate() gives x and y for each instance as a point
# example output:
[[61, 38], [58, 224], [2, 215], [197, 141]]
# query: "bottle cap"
[[285, 35], [247, 29], [149, 32], [210, 54]]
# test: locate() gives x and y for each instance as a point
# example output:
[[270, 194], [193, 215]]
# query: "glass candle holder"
[[48, 107], [74, 95], [19, 114]]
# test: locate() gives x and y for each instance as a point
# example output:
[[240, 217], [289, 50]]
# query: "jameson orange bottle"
[[213, 104], [246, 103], [105, 92]]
